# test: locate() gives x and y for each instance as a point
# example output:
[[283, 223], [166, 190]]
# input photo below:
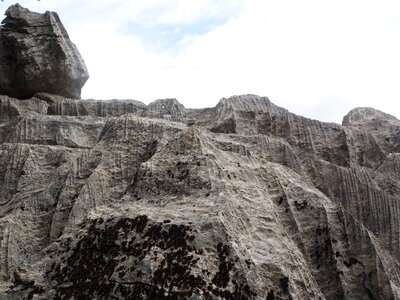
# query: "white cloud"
[[196, 11], [316, 58]]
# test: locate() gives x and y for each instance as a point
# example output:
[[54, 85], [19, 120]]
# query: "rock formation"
[[241, 201], [121, 200], [36, 55]]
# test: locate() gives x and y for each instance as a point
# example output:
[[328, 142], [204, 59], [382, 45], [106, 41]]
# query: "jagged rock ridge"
[[121, 200], [241, 201]]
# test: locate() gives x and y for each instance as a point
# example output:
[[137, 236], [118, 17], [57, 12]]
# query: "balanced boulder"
[[36, 55]]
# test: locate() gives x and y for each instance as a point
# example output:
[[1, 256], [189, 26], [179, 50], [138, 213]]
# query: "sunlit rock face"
[[36, 55], [121, 200]]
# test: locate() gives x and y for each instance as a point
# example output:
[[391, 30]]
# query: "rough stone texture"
[[11, 107], [121, 200], [36, 55], [245, 200]]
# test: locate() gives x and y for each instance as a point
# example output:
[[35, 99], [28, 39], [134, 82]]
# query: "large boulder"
[[36, 55]]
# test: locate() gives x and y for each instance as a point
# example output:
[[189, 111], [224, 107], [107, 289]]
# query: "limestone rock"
[[121, 200], [11, 107], [169, 109], [36, 55], [381, 127], [250, 202], [362, 116]]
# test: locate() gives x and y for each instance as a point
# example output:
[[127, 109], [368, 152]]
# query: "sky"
[[316, 58]]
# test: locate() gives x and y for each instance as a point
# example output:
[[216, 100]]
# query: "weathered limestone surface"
[[36, 55], [121, 200], [241, 201]]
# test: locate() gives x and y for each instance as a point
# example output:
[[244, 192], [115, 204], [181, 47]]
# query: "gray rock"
[[119, 200], [250, 202], [11, 107], [169, 109], [36, 55]]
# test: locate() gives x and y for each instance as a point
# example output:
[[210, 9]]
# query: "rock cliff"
[[242, 201], [121, 200]]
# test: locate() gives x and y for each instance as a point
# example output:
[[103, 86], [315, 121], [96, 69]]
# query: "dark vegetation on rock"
[[121, 200]]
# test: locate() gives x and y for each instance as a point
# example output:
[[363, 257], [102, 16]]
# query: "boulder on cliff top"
[[36, 55]]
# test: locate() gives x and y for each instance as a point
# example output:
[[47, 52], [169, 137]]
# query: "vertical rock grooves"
[[241, 201], [117, 199]]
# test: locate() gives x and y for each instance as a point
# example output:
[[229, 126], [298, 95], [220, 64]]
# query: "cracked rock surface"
[[241, 201]]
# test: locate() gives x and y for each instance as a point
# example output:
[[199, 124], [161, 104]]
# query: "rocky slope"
[[241, 201], [121, 200]]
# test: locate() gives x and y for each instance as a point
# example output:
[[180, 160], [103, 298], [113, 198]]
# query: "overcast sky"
[[316, 58]]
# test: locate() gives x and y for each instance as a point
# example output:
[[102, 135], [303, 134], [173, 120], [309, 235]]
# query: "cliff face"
[[118, 199], [242, 201]]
